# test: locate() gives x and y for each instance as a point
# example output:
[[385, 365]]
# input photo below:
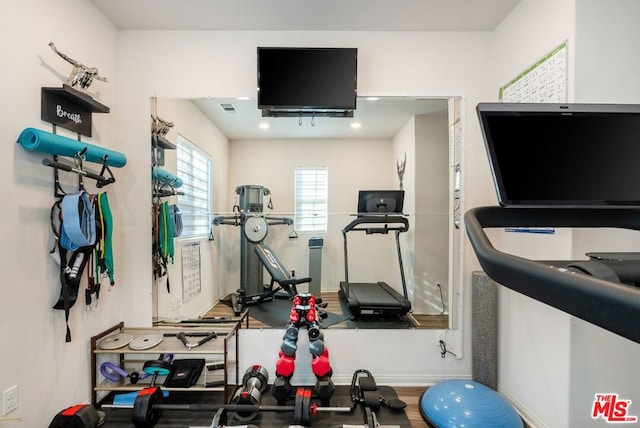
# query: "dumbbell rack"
[[225, 348]]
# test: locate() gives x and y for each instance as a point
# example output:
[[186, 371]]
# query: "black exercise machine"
[[570, 165], [254, 226], [379, 212]]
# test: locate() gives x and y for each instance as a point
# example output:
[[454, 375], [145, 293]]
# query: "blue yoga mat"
[[36, 140], [163, 176]]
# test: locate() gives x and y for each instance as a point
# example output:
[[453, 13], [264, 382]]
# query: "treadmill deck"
[[376, 298]]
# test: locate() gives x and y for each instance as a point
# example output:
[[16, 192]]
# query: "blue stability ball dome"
[[463, 403]]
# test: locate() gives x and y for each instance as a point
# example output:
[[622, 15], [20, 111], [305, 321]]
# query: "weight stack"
[[484, 330]]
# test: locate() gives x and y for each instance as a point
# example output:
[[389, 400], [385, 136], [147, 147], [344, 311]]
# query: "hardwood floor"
[[411, 396]]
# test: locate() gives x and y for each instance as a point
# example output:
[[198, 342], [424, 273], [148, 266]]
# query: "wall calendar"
[[543, 82]]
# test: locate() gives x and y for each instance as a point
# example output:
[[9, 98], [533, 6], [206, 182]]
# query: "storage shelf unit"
[[223, 349]]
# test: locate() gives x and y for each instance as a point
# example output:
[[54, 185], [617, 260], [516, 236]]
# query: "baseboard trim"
[[530, 419]]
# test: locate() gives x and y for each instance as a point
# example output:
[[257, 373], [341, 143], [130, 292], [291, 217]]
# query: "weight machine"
[[254, 226]]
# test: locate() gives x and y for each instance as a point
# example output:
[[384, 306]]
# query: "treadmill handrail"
[[401, 222], [612, 306]]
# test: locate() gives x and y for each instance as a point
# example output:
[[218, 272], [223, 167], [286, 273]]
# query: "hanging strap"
[[64, 301], [65, 297]]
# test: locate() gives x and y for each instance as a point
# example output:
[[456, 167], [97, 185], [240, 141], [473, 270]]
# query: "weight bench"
[[279, 273], [282, 276]]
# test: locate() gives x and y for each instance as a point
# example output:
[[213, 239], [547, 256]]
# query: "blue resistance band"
[[78, 221]]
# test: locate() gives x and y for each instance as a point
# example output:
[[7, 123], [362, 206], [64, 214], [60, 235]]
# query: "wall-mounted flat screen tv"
[[299, 79], [563, 154]]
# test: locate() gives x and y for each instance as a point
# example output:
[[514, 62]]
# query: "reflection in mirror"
[[184, 174], [391, 143]]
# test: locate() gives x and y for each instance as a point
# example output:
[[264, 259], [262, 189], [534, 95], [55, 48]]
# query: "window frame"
[[301, 216], [186, 202]]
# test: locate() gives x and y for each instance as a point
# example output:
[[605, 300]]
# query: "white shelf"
[[222, 349]]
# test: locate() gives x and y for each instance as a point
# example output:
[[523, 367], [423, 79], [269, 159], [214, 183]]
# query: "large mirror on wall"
[[250, 209]]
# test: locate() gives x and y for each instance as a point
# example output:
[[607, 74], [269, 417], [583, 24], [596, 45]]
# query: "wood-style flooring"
[[411, 396]]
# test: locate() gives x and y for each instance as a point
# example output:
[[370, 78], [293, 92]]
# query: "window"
[[194, 168], [311, 199]]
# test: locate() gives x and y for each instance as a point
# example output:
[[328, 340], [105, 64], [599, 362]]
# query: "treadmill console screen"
[[380, 202], [563, 154]]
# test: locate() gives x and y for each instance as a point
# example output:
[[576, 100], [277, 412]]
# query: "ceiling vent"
[[227, 107]]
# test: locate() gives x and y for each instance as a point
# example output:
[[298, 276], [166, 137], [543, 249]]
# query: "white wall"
[[424, 140], [352, 165], [432, 220], [534, 349], [50, 373], [607, 64]]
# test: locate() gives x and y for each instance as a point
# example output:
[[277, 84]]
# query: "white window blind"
[[194, 168], [311, 199]]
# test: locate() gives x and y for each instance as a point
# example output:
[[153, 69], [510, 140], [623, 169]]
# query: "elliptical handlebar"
[[612, 306]]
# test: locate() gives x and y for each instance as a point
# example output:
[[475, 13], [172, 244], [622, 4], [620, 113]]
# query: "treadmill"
[[379, 212]]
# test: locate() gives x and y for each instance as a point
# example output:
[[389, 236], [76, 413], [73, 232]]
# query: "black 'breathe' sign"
[[61, 111]]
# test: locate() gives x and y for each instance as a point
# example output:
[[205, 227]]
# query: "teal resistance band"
[[106, 258], [166, 232]]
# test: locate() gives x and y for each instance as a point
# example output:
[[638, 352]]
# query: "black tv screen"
[[563, 154], [380, 202], [307, 78]]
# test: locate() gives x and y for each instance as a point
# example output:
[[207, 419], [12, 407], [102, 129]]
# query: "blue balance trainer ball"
[[463, 403]]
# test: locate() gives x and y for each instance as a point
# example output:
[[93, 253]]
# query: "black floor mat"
[[117, 418], [275, 313]]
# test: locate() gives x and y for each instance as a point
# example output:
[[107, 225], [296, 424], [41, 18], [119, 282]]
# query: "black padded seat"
[[279, 273]]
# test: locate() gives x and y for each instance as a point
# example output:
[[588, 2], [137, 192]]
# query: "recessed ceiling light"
[[372, 98], [264, 125], [356, 125], [244, 98]]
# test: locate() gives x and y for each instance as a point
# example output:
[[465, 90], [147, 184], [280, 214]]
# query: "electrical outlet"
[[441, 335], [10, 400]]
